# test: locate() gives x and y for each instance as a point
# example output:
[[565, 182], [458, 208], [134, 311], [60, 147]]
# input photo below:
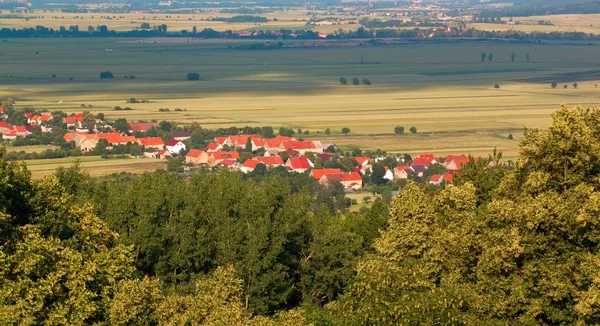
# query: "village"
[[324, 161]]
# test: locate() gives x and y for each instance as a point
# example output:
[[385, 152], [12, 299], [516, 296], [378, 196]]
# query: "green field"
[[442, 89]]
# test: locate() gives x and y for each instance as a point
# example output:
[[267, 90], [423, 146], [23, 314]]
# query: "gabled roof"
[[221, 155], [212, 146], [228, 162], [180, 134], [418, 168], [270, 160], [173, 142], [423, 159], [251, 163], [194, 153], [257, 141], [449, 176], [22, 129], [143, 126], [319, 173], [437, 178], [294, 144], [299, 162], [151, 141], [458, 160], [361, 160], [220, 140], [74, 118], [351, 176], [116, 138], [402, 167]]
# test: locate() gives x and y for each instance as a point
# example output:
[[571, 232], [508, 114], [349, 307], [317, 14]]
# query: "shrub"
[[510, 137], [193, 76], [343, 81], [554, 84], [366, 81], [413, 129], [106, 74], [496, 86], [355, 81]]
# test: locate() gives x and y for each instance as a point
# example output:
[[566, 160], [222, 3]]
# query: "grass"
[[30, 149], [444, 90], [94, 165]]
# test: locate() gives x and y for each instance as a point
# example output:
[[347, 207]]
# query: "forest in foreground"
[[504, 244]]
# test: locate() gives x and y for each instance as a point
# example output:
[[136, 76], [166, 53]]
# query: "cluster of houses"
[[11, 132], [421, 163]]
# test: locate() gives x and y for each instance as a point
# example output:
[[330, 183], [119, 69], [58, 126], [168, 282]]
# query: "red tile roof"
[[116, 138], [458, 160], [172, 142], [402, 167], [319, 173], [351, 176], [212, 146], [151, 141], [143, 126], [437, 178], [423, 159], [298, 144], [271, 160], [194, 153], [74, 118], [220, 140], [361, 160], [299, 162], [251, 163], [221, 155]]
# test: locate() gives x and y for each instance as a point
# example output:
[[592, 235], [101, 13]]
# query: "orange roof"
[[402, 167], [251, 163], [273, 142], [258, 140], [437, 178], [74, 118], [194, 153], [298, 144], [351, 176], [151, 141], [362, 160], [458, 160], [299, 162], [220, 140], [212, 146], [319, 173], [423, 159], [239, 140], [221, 155], [116, 138], [271, 160], [448, 176]]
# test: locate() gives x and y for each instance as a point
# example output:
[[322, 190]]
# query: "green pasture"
[[442, 89]]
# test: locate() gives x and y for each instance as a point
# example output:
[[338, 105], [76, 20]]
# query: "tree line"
[[416, 33]]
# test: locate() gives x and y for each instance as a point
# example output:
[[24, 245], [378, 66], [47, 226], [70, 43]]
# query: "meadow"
[[444, 90]]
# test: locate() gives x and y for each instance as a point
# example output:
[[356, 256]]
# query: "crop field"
[[289, 19], [444, 90], [587, 23], [94, 165]]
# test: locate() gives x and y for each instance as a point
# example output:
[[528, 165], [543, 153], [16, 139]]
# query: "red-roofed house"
[[271, 161], [454, 162], [175, 146], [349, 180], [215, 158], [196, 157], [22, 131], [9, 134], [449, 177], [319, 173], [116, 138], [436, 179], [74, 120], [214, 147], [221, 140], [298, 164], [151, 142], [402, 172], [142, 126], [425, 160], [362, 161]]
